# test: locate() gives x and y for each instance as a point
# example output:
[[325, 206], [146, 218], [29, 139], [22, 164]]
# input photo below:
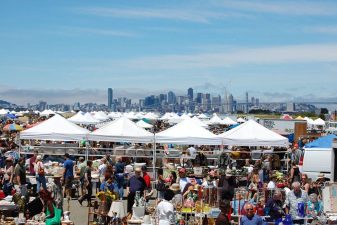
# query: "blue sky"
[[276, 50]]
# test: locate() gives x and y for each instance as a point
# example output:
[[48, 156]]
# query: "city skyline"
[[59, 52]]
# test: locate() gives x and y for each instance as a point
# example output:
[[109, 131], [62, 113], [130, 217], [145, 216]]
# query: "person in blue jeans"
[[39, 171]]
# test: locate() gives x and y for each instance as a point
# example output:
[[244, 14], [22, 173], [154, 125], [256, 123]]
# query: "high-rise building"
[[190, 94], [110, 98], [199, 98], [230, 103], [290, 107], [247, 105], [171, 98]]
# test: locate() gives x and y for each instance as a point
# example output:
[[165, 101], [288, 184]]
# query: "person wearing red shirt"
[[146, 177]]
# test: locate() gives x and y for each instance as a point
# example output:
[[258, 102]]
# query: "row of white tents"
[[190, 131]]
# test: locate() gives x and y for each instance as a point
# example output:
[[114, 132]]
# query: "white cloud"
[[290, 54], [94, 31], [190, 15], [305, 8], [322, 29]]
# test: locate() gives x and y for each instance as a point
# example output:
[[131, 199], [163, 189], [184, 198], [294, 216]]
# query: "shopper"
[[40, 174], [165, 210], [250, 218], [135, 183], [87, 184]]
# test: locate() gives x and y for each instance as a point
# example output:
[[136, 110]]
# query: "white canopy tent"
[[240, 120], [101, 116], [252, 133], [187, 132], [55, 128], [215, 120], [77, 118], [4, 111], [121, 130], [319, 122], [197, 121], [143, 124], [228, 121], [47, 112], [203, 116], [150, 116]]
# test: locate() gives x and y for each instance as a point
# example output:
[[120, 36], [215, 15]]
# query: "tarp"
[[322, 142], [252, 133], [187, 132], [121, 130], [55, 128]]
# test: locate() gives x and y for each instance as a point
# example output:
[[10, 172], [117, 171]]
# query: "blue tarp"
[[322, 142]]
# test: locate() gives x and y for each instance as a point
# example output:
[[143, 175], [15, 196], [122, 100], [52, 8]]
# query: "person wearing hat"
[[178, 198], [135, 183], [55, 188], [227, 184], [40, 174]]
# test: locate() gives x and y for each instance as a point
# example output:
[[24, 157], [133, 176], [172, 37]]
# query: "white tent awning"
[[252, 133]]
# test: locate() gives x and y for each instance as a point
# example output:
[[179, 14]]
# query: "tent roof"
[[241, 120], [322, 142], [215, 120], [121, 130], [55, 128], [187, 132], [228, 121], [143, 124], [319, 122], [197, 121], [252, 133]]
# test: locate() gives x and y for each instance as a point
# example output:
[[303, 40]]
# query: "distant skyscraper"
[[247, 105], [199, 98], [290, 107], [230, 103], [171, 98], [226, 105], [110, 98], [190, 94]]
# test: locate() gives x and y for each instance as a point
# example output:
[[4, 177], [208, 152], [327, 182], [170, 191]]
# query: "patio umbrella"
[[12, 127]]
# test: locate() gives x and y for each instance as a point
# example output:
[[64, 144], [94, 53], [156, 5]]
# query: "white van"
[[316, 161]]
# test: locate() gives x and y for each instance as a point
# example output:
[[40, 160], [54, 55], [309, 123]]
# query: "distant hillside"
[[5, 103]]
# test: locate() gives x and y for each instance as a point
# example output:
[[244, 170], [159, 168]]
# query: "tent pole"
[[154, 156], [86, 148], [20, 146]]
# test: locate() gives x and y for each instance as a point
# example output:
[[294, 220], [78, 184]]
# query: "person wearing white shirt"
[[183, 180], [192, 152], [272, 183], [165, 209]]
